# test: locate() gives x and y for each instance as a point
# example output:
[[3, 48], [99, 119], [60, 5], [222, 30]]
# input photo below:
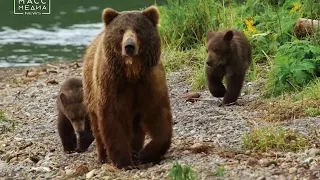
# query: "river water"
[[27, 40]]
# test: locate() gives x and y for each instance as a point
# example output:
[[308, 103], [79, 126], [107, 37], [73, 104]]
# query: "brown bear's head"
[[133, 35], [218, 47], [74, 110]]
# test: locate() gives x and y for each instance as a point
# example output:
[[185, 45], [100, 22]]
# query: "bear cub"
[[228, 55], [72, 117]]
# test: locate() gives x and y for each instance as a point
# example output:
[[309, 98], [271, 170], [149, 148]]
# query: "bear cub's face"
[[131, 32], [74, 110], [218, 48]]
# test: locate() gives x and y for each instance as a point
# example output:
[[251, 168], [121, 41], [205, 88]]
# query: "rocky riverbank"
[[206, 136]]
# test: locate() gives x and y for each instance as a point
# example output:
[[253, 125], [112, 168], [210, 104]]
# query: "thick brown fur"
[[228, 55], [72, 117], [125, 89]]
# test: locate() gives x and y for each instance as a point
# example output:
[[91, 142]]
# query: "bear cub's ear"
[[108, 15], [64, 99], [152, 13], [228, 36], [210, 34]]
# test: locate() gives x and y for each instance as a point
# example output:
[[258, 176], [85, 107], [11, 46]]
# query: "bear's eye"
[[216, 50], [121, 31], [138, 31]]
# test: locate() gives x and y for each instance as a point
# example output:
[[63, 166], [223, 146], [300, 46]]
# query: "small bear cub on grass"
[[72, 117], [228, 55]]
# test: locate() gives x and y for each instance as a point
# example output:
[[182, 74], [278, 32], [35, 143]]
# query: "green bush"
[[295, 66]]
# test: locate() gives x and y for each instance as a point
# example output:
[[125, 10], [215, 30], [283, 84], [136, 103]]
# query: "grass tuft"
[[198, 79], [264, 139], [6, 125], [219, 171], [305, 103], [3, 117], [181, 172]]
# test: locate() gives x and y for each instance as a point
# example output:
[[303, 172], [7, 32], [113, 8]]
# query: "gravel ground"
[[205, 135]]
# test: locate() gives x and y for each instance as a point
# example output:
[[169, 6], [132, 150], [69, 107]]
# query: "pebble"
[[264, 162], [32, 74], [285, 165], [261, 178], [90, 174], [314, 152], [41, 169], [106, 178], [315, 167], [70, 172], [252, 161], [308, 160], [292, 170]]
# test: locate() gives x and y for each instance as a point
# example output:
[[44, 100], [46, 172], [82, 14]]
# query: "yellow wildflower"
[[250, 27], [296, 7]]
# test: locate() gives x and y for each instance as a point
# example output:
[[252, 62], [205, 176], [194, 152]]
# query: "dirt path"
[[206, 136]]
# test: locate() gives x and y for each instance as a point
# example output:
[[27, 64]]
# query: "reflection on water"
[[62, 35]]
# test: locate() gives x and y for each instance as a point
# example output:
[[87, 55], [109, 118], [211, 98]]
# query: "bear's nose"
[[81, 133], [129, 48], [209, 63]]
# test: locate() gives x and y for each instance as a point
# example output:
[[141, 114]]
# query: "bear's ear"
[[228, 36], [210, 34], [152, 13], [63, 99], [108, 15]]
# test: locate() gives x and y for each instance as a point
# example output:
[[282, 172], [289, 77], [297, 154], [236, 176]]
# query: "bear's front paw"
[[68, 151], [79, 150], [123, 163], [102, 160], [136, 158]]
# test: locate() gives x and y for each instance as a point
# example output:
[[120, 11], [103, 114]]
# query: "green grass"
[[312, 91], [175, 59], [198, 79], [219, 171], [6, 124], [3, 117], [265, 139], [185, 23], [181, 172]]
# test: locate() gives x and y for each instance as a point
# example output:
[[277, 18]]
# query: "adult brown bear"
[[228, 55], [125, 88]]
